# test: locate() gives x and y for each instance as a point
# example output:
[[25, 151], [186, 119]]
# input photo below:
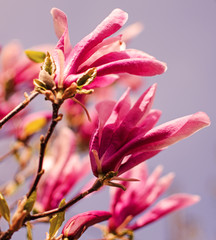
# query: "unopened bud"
[[77, 225]]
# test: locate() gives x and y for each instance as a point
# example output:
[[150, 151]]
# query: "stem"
[[6, 235], [96, 186], [17, 109], [43, 143]]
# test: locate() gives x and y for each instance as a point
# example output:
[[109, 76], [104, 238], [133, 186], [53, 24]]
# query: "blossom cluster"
[[93, 135]]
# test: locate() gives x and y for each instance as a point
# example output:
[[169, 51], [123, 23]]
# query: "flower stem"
[[17, 109]]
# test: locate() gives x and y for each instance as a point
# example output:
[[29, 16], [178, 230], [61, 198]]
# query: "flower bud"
[[77, 225]]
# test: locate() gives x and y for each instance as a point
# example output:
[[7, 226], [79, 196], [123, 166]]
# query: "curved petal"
[[118, 113], [165, 135], [164, 207], [110, 25], [136, 66], [118, 55], [172, 132], [134, 160], [138, 112], [102, 81], [10, 54], [108, 45], [61, 30]]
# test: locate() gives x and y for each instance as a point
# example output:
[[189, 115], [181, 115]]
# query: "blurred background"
[[180, 33]]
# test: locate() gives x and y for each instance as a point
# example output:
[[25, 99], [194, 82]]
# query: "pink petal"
[[145, 124], [10, 54], [164, 207], [136, 66], [103, 81], [63, 150], [118, 113], [108, 45], [76, 225], [172, 132], [134, 160], [130, 32], [118, 55], [138, 112], [110, 25], [61, 30]]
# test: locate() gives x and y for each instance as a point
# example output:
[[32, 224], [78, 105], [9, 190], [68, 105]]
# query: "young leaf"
[[29, 231], [87, 77], [34, 126], [4, 209], [30, 202], [56, 221], [35, 56], [39, 84]]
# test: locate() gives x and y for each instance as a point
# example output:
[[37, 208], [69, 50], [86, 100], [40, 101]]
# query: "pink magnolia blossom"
[[126, 135], [139, 196], [108, 55], [76, 225], [63, 169], [15, 71]]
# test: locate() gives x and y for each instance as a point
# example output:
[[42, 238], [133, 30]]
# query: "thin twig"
[[96, 186], [43, 143], [17, 109]]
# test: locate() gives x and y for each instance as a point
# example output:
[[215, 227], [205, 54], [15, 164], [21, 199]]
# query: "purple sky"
[[181, 33]]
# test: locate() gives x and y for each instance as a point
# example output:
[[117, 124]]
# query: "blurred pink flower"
[[78, 121], [31, 124], [78, 224], [126, 135], [63, 170], [139, 196], [108, 56], [16, 75]]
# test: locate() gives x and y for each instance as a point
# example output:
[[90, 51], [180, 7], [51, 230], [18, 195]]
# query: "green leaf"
[[30, 202], [29, 230], [35, 56], [49, 64], [4, 209], [56, 221], [39, 84], [87, 77], [34, 126]]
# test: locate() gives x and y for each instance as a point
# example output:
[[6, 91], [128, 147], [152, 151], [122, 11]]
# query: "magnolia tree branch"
[[18, 223], [17, 109], [43, 143], [6, 235], [95, 187]]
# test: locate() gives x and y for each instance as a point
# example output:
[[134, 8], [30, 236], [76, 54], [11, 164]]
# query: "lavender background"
[[181, 33]]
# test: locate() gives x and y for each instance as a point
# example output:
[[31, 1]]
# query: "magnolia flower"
[[76, 225], [104, 57], [15, 70], [126, 135], [63, 169], [139, 196]]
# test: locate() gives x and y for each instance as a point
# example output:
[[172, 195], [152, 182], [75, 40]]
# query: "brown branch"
[[17, 109], [96, 186], [6, 235], [43, 143]]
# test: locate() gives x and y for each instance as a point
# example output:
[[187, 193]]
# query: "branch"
[[96, 186], [43, 143], [17, 109]]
